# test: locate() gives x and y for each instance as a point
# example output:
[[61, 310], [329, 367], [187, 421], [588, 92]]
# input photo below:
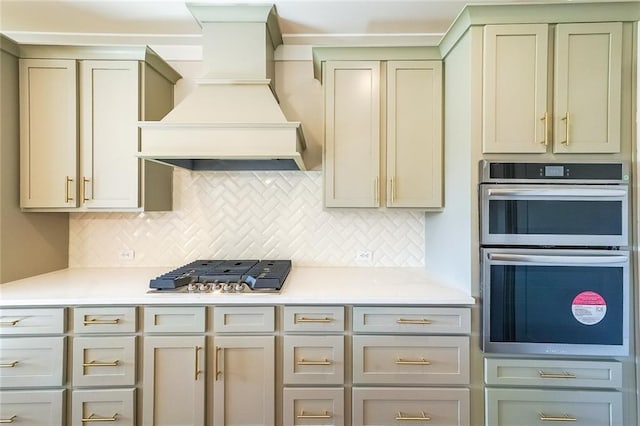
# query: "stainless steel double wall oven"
[[554, 258]]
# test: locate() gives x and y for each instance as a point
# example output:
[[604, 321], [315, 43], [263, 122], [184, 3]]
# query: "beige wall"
[[32, 243]]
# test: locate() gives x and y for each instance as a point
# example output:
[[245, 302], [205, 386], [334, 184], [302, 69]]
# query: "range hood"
[[231, 120]]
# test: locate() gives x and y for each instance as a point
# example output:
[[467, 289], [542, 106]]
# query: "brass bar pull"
[[567, 121], [324, 415], [9, 323], [9, 365], [563, 418], [545, 118], [67, 197], [421, 418], [95, 419], [9, 420], [393, 192], [563, 375], [101, 364], [305, 319], [218, 372], [197, 361], [410, 321], [100, 322], [422, 361], [84, 189], [323, 362]]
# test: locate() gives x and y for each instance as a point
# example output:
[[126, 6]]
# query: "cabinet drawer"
[[411, 320], [104, 320], [313, 406], [181, 319], [525, 407], [313, 360], [553, 373], [112, 406], [31, 321], [104, 361], [309, 319], [249, 319], [38, 408], [411, 359], [390, 406], [31, 361]]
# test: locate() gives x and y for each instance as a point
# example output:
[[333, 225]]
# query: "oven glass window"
[[555, 217], [556, 304]]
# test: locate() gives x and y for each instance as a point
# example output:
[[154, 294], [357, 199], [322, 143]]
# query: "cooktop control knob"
[[227, 287], [203, 287], [238, 287]]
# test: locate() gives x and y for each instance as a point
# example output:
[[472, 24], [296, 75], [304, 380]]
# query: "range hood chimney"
[[231, 120]]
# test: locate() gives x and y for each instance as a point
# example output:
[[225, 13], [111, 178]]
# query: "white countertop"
[[304, 285]]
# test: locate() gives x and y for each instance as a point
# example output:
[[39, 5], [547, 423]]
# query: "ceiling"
[[169, 23]]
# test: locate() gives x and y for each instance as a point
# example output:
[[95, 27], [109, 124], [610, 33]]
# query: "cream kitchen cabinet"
[[79, 129], [383, 134], [576, 108]]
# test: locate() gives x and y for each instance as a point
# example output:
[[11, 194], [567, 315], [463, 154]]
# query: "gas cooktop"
[[224, 276]]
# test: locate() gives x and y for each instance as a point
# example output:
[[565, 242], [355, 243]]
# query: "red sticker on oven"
[[589, 307]]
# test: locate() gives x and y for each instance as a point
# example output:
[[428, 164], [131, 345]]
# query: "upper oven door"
[[554, 215]]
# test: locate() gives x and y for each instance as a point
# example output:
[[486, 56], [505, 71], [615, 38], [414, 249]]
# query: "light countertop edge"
[[304, 285]]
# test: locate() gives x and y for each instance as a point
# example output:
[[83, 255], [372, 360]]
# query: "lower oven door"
[[573, 302]]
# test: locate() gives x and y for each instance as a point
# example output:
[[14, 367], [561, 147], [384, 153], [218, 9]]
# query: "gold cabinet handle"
[[9, 420], [324, 415], [101, 364], [84, 189], [323, 362], [100, 322], [567, 121], [197, 371], [421, 418], [67, 197], [393, 192], [95, 419], [218, 372], [422, 361], [9, 365], [9, 323], [545, 118], [411, 321], [562, 418], [305, 319], [563, 375]]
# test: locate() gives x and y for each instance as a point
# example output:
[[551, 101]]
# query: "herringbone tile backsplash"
[[264, 215]]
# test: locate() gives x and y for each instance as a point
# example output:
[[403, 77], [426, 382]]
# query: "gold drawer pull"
[[323, 362], [563, 418], [100, 322], [10, 323], [563, 375], [94, 419], [101, 364], [67, 197], [305, 319], [324, 415], [197, 371], [410, 321], [9, 365], [217, 367], [422, 361], [9, 420], [422, 418], [567, 121]]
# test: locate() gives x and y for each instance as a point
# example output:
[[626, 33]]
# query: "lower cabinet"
[[37, 408], [113, 406], [313, 406]]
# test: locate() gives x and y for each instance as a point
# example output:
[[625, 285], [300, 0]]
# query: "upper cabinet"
[[383, 133], [79, 132], [566, 99]]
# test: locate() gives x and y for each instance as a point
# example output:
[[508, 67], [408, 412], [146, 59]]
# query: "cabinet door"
[[352, 134], [244, 374], [109, 114], [515, 100], [174, 367], [588, 76], [48, 133], [414, 134]]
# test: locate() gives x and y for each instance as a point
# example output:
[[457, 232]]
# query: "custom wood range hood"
[[231, 120]]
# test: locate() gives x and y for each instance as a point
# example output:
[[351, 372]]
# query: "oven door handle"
[[557, 192], [577, 260]]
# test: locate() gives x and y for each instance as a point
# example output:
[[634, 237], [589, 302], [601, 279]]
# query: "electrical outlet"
[[364, 256], [126, 254]]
